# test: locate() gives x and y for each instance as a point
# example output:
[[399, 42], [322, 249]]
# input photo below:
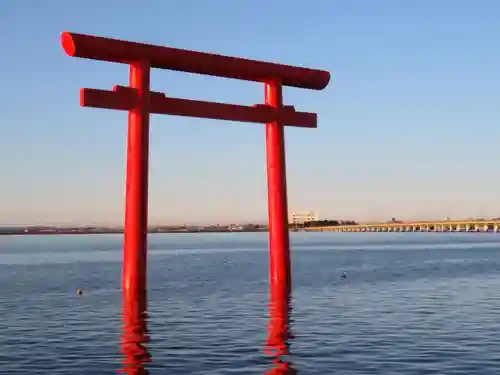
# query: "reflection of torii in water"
[[277, 344], [135, 334]]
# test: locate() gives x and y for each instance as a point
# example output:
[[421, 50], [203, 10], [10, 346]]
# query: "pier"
[[417, 226]]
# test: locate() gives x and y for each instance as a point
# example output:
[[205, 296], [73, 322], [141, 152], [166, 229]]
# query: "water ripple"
[[410, 305]]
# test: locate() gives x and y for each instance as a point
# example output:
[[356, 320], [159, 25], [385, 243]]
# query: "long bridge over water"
[[417, 226]]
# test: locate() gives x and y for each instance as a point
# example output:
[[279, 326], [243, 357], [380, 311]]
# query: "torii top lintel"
[[119, 51]]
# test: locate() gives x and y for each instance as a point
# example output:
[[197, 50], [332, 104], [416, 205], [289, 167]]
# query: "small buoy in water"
[[79, 291]]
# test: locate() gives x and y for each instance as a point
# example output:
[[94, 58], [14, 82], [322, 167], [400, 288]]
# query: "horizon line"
[[234, 222]]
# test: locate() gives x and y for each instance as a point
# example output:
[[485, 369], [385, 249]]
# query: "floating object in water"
[[79, 292], [344, 275]]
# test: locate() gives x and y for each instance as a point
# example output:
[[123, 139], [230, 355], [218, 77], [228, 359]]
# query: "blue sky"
[[408, 127]]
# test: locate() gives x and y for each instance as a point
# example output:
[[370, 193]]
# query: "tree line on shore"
[[325, 223]]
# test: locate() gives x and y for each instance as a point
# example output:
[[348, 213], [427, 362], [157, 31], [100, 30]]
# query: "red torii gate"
[[140, 102]]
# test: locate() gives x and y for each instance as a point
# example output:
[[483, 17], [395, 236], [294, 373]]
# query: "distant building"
[[303, 217]]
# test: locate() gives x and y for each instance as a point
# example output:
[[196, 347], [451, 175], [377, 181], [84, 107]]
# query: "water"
[[412, 303]]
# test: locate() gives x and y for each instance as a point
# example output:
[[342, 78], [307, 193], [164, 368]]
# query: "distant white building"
[[303, 217]]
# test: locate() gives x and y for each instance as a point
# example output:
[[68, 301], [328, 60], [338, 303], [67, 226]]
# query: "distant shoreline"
[[75, 232]]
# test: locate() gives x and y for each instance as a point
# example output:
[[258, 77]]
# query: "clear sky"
[[409, 126]]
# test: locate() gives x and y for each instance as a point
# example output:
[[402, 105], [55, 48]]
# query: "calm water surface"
[[412, 303]]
